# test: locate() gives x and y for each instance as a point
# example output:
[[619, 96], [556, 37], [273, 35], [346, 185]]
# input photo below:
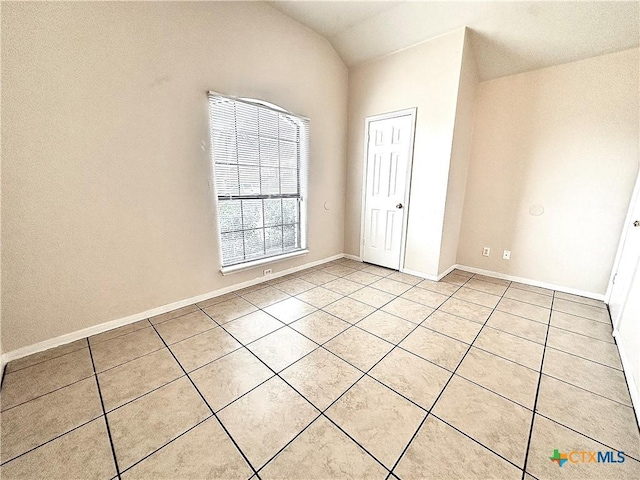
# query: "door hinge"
[[613, 282]]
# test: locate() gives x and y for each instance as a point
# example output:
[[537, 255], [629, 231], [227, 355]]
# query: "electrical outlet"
[[266, 272], [506, 255], [486, 251]]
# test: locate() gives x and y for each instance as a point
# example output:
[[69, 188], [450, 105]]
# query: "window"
[[260, 156]]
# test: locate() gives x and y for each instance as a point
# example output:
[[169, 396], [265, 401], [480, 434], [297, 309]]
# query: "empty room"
[[320, 240]]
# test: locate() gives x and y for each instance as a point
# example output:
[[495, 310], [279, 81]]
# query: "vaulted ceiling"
[[507, 37]]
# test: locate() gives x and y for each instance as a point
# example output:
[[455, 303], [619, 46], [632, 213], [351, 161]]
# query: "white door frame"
[[412, 112], [623, 238]]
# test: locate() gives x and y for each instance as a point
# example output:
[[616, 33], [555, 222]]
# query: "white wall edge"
[[103, 327], [427, 276], [634, 390], [535, 283]]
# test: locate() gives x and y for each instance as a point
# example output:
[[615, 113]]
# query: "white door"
[[624, 302], [389, 150], [629, 259]]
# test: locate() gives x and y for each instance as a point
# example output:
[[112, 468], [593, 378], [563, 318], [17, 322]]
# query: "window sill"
[[263, 261]]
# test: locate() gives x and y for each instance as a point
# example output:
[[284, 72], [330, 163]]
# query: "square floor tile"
[[411, 376], [319, 297], [339, 270], [492, 420], [320, 326], [371, 296], [318, 277], [529, 297], [359, 348], [362, 277], [228, 378], [167, 412], [380, 420], [506, 378], [582, 310], [412, 311], [439, 349], [281, 348], [476, 296], [390, 286], [295, 286], [596, 378], [526, 310], [321, 377], [206, 347], [456, 327], [387, 326], [578, 299], [116, 332], [486, 278], [224, 312], [206, 451], [405, 278], [322, 452], [349, 310], [516, 349], [519, 326], [127, 382], [81, 453], [442, 288], [425, 297], [265, 296], [124, 348], [173, 314], [455, 279], [218, 299], [583, 326], [290, 310], [253, 326], [487, 287], [470, 311], [266, 419], [548, 435], [50, 354], [376, 270], [186, 326], [458, 456], [33, 423], [343, 286], [39, 379], [586, 347], [531, 288], [355, 264], [604, 420]]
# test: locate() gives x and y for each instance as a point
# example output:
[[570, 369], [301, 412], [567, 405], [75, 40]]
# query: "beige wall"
[[107, 204], [425, 76], [460, 154], [566, 138]]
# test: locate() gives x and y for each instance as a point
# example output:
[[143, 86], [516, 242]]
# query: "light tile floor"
[[345, 370]]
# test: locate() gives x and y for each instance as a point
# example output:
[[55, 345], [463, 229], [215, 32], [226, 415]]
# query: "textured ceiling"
[[507, 37]]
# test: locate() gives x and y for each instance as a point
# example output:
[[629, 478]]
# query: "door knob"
[[636, 223], [400, 206]]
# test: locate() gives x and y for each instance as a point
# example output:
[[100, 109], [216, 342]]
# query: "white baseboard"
[[352, 257], [634, 390], [103, 327], [427, 276], [535, 283]]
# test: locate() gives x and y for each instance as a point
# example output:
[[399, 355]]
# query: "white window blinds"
[[260, 157]]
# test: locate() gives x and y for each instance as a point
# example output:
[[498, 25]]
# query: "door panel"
[[388, 160]]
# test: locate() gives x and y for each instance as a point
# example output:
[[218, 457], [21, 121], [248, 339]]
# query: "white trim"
[[413, 113], [352, 257], [634, 390], [103, 327], [535, 283], [263, 261]]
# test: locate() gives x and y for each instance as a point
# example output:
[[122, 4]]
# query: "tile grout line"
[[535, 401], [213, 413], [439, 395], [104, 414]]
